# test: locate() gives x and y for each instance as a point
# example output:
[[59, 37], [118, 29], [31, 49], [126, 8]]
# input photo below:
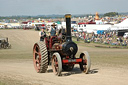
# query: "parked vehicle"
[[125, 35], [4, 43]]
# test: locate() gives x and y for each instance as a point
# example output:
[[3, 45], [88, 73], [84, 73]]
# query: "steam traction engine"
[[59, 51]]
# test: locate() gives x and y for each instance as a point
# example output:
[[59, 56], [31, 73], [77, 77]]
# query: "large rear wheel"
[[40, 57], [5, 46], [2, 45], [86, 62], [57, 64]]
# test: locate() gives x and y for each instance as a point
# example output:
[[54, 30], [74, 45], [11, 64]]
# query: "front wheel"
[[56, 64], [86, 62]]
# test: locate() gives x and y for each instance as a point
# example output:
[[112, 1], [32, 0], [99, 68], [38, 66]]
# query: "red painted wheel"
[[86, 62], [40, 57], [56, 64]]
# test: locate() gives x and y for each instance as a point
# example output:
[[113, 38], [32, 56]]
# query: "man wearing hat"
[[53, 30], [42, 34]]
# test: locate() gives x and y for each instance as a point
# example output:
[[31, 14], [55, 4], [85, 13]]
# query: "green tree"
[[111, 14]]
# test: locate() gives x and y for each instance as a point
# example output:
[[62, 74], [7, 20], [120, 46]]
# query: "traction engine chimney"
[[68, 27]]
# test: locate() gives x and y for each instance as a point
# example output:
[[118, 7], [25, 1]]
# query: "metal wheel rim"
[[36, 57], [84, 66], [55, 65], [86, 63]]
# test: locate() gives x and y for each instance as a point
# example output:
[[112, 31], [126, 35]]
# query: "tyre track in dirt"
[[25, 73]]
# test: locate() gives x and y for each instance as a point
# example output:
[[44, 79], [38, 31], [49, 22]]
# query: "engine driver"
[[53, 30]]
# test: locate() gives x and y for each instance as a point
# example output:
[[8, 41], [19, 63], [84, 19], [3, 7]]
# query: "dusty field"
[[109, 66]]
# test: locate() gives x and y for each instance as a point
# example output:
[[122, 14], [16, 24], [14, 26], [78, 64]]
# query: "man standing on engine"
[[53, 30], [42, 34]]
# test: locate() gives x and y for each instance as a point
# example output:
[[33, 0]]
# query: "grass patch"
[[100, 45]]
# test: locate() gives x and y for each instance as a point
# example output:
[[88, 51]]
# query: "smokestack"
[[7, 39], [68, 27]]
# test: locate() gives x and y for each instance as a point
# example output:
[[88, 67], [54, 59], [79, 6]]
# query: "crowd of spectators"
[[110, 38]]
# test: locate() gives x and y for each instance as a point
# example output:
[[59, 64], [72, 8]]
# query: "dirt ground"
[[109, 66]]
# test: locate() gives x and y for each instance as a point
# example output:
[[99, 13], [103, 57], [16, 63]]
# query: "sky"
[[49, 7]]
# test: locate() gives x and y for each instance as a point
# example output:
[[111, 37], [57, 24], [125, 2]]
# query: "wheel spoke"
[[37, 61], [84, 66], [38, 67], [85, 62], [55, 64], [36, 51], [56, 69]]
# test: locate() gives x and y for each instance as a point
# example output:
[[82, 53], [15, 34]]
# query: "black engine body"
[[69, 48]]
